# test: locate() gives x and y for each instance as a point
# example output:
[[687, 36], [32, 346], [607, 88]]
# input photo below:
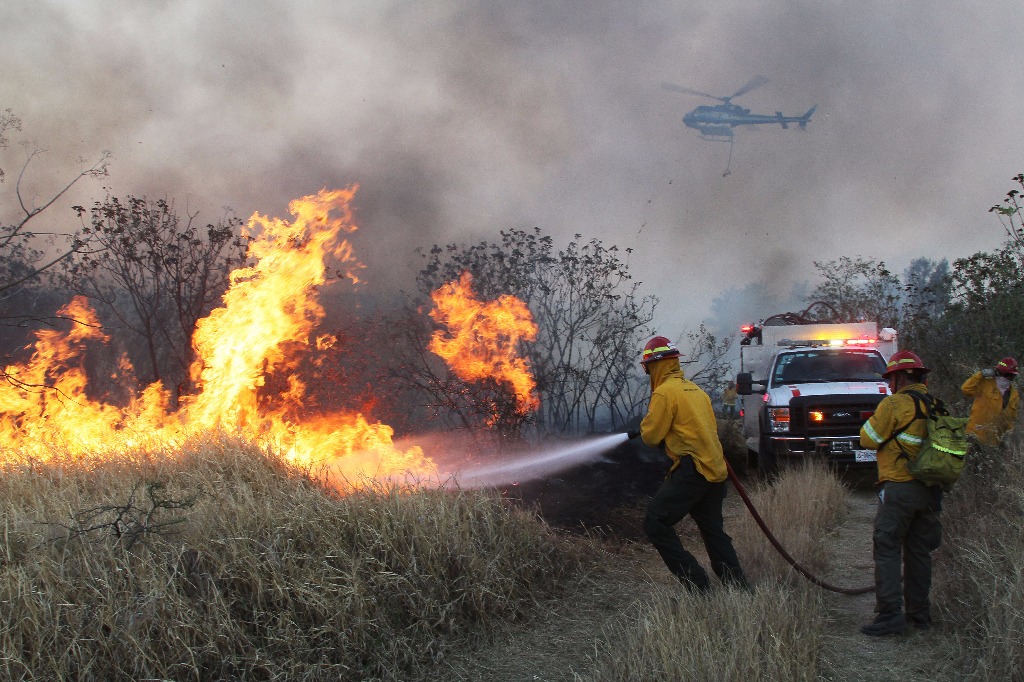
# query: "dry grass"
[[800, 508], [979, 581], [774, 632], [734, 445], [239, 567]]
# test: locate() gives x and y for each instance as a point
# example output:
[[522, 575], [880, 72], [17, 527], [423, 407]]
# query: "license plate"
[[865, 455]]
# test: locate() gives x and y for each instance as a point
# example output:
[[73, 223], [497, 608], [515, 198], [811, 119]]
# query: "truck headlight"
[[778, 419]]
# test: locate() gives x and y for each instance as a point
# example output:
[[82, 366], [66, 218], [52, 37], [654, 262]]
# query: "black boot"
[[886, 624]]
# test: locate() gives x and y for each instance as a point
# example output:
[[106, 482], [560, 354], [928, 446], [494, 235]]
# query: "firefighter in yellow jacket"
[[907, 528], [681, 420], [994, 410]]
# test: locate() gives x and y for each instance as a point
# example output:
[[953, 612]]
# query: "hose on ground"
[[782, 550]]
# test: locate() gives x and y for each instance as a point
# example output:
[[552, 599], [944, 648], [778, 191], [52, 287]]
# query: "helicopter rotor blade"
[[755, 82], [688, 91]]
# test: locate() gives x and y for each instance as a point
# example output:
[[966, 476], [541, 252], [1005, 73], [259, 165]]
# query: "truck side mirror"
[[745, 383]]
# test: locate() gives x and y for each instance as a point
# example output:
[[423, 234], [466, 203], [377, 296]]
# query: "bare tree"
[[706, 359], [157, 274], [23, 258], [1010, 216], [28, 253], [590, 316], [859, 289]]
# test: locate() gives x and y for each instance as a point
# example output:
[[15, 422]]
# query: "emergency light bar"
[[810, 343]]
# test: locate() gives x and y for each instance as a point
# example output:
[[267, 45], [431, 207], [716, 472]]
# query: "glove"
[[988, 373], [633, 434]]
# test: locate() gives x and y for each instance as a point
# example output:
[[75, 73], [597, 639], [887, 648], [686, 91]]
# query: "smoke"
[[461, 118]]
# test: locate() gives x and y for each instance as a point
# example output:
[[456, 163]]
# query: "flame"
[[483, 338], [268, 318], [46, 398]]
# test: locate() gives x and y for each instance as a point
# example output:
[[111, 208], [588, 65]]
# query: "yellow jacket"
[[892, 414], [989, 420], [680, 414]]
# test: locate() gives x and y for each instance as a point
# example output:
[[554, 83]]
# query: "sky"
[[461, 118]]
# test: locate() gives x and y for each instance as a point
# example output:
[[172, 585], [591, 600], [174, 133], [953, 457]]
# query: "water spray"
[[532, 465]]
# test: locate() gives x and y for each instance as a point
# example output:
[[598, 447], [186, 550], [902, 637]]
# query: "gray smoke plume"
[[460, 118]]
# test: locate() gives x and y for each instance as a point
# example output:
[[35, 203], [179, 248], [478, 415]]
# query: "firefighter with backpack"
[[907, 528]]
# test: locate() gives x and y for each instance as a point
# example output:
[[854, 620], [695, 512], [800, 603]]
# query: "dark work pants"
[[684, 492], [907, 530]]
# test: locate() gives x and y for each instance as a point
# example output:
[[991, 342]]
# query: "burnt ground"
[[606, 498]]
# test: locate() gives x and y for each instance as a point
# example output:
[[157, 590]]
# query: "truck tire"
[[767, 462]]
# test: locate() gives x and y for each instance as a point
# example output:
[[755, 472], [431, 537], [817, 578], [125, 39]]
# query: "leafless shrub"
[[128, 522]]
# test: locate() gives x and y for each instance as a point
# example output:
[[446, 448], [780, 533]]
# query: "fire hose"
[[775, 541], [782, 550]]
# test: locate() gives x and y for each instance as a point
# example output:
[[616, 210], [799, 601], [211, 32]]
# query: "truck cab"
[[807, 390]]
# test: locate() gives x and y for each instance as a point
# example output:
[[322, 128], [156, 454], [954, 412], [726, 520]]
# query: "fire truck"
[[806, 389]]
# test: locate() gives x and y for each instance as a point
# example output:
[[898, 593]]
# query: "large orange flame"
[[270, 309], [483, 338]]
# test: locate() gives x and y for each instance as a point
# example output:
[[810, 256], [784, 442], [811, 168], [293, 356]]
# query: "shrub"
[[979, 573]]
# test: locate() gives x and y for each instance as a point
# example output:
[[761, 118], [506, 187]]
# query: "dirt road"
[[851, 656]]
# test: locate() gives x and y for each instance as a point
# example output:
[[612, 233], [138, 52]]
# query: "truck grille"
[[840, 415]]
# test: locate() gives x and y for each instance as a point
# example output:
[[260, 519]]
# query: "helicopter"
[[717, 122]]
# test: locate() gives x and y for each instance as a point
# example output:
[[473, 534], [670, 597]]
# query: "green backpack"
[[944, 450]]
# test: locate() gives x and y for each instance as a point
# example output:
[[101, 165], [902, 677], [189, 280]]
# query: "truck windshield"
[[825, 365]]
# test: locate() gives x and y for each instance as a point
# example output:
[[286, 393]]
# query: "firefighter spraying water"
[[681, 421]]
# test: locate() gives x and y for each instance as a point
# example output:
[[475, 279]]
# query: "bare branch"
[[130, 522], [98, 169]]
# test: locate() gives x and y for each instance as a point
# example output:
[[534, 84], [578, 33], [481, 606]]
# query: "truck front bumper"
[[841, 450]]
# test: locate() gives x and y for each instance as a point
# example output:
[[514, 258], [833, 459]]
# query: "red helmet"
[[904, 360], [1007, 366], [659, 348]]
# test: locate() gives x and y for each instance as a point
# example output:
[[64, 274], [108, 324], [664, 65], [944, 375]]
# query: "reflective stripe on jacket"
[[989, 420], [680, 414], [892, 414]]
